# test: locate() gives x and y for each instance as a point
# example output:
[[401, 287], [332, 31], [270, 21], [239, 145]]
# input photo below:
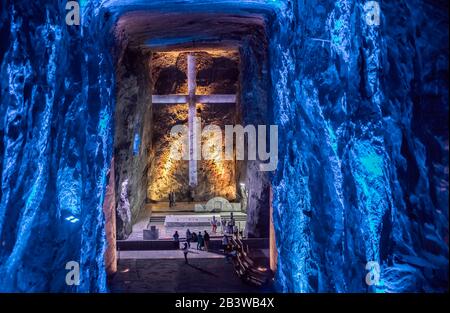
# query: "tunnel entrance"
[[196, 91], [215, 80]]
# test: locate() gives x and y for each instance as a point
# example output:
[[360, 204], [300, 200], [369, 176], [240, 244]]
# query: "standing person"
[[176, 239], [230, 228], [185, 252], [173, 199], [190, 194], [170, 199], [224, 242], [188, 237], [200, 242], [232, 223], [214, 224], [224, 224], [206, 239]]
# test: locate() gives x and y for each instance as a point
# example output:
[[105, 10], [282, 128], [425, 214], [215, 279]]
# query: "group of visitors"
[[201, 240], [229, 228]]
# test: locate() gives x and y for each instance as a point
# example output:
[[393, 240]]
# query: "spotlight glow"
[[72, 219]]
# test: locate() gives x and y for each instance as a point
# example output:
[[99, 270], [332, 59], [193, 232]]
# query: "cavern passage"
[[153, 65], [148, 171], [361, 109]]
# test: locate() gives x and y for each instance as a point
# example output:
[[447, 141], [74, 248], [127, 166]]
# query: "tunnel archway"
[[146, 35]]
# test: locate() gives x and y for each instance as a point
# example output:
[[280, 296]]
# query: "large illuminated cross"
[[192, 99]]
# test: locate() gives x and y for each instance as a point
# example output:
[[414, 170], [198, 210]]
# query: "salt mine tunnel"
[[359, 101]]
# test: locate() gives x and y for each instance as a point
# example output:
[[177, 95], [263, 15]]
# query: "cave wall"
[[217, 73], [254, 108], [109, 212], [363, 158], [133, 134], [56, 104]]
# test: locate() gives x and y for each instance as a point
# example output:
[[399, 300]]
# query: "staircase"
[[160, 218], [157, 219], [246, 268]]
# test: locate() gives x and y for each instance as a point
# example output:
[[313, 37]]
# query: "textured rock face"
[[363, 138], [363, 169], [109, 211], [133, 133], [57, 101], [254, 98], [217, 73]]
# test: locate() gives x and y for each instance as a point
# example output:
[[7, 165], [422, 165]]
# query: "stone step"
[[183, 207], [161, 218], [163, 207], [157, 219]]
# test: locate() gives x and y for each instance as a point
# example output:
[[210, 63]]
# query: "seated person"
[[231, 254]]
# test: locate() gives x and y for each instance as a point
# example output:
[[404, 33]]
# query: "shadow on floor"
[[202, 270], [173, 275]]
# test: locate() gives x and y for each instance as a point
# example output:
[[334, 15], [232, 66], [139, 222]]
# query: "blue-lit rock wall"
[[363, 173], [57, 101]]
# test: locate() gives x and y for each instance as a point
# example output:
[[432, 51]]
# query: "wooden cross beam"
[[192, 99]]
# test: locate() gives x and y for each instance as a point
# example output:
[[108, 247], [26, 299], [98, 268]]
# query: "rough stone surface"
[[363, 171], [57, 104], [109, 210], [133, 134], [217, 73], [254, 98]]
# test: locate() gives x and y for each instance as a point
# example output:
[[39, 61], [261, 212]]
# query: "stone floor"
[[169, 275]]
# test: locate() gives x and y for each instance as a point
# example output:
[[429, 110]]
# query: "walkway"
[[141, 272]]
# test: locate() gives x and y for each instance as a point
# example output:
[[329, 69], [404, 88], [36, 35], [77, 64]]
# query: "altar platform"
[[180, 218]]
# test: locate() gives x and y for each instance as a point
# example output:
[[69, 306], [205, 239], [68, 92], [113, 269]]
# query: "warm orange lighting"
[[216, 177]]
